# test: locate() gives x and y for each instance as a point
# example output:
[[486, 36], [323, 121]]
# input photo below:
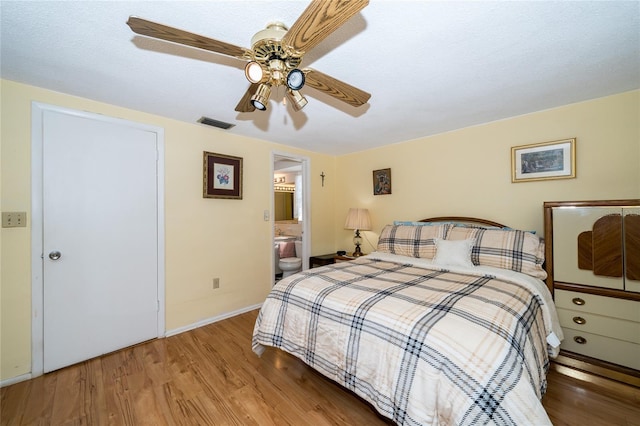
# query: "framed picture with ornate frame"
[[222, 176], [544, 161], [382, 182]]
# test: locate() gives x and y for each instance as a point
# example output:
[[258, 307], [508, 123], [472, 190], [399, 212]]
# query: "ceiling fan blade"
[[336, 88], [320, 18], [245, 104], [155, 30]]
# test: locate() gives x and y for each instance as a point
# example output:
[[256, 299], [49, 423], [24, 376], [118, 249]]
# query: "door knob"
[[55, 255]]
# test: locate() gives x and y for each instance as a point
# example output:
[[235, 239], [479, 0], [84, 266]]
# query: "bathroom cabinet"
[[593, 267]]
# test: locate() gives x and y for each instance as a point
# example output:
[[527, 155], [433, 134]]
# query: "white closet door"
[[100, 237]]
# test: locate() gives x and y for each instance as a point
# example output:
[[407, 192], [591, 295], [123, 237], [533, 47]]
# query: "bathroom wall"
[[288, 227]]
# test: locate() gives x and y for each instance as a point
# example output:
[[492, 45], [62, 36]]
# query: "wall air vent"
[[215, 123]]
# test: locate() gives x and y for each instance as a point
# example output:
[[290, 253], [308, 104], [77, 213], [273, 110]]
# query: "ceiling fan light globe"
[[258, 105], [297, 100], [261, 97], [254, 72], [295, 79]]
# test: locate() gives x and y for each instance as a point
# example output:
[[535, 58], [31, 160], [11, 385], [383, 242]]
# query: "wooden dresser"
[[593, 263]]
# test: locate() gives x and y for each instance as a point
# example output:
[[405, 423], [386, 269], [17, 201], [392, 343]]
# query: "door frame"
[[37, 216], [306, 208]]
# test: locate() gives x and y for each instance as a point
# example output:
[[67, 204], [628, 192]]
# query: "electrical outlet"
[[216, 283], [14, 219]]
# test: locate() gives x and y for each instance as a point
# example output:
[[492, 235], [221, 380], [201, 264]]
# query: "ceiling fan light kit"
[[297, 100], [261, 97], [254, 72], [276, 53], [295, 79]]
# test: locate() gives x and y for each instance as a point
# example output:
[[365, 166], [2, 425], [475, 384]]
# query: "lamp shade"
[[358, 219]]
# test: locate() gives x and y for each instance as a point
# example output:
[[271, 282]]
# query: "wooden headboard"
[[463, 219]]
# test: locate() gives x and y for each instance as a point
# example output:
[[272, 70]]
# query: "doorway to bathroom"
[[290, 214]]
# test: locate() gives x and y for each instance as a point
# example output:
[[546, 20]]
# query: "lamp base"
[[358, 252]]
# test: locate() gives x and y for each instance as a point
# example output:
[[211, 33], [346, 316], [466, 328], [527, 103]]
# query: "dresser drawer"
[[604, 348], [601, 305], [601, 325]]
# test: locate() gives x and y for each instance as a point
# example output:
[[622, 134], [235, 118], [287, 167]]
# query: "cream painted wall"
[[465, 172], [468, 172], [205, 238]]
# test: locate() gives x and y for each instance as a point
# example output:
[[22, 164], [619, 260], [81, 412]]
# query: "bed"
[[447, 322]]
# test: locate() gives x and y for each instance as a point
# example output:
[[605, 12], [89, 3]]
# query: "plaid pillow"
[[513, 249], [413, 241]]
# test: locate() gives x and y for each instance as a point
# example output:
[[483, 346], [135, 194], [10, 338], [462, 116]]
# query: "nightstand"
[[322, 260], [327, 259], [338, 258]]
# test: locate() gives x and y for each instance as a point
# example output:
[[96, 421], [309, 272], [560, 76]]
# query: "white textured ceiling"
[[430, 66]]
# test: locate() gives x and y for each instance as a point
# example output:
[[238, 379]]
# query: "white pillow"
[[454, 252]]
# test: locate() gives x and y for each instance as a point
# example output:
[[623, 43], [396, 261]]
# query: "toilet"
[[276, 256], [291, 265]]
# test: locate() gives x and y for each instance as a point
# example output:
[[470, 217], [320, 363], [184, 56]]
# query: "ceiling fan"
[[276, 53]]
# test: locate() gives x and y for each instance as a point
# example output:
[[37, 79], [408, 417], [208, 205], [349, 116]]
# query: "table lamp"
[[358, 219]]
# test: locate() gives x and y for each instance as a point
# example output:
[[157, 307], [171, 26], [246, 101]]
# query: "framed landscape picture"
[[542, 161], [222, 176]]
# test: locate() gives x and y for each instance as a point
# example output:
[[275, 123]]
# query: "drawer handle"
[[578, 301], [580, 340], [579, 320]]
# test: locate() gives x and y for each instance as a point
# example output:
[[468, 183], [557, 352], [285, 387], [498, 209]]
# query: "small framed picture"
[[543, 161], [222, 176], [382, 182]]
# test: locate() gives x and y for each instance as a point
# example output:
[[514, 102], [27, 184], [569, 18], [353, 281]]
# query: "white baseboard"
[[211, 320], [14, 380]]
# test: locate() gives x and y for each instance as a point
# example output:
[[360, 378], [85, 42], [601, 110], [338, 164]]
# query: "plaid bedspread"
[[423, 346]]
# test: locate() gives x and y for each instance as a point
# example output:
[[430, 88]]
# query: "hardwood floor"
[[210, 376]]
